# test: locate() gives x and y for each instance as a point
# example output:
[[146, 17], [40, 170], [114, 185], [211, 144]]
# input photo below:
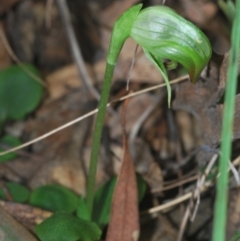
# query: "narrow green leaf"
[[103, 200], [66, 227], [228, 8], [82, 210], [9, 141], [236, 236], [102, 203], [54, 198], [220, 209], [142, 187]]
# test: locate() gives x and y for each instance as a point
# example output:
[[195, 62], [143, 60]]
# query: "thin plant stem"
[[97, 133], [220, 212], [121, 31]]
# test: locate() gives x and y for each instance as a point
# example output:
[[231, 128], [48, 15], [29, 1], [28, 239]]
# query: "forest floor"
[[170, 147]]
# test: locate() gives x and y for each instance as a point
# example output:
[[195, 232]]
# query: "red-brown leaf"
[[124, 224]]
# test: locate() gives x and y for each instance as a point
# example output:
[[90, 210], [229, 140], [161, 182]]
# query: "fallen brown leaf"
[[25, 214], [124, 224], [12, 230]]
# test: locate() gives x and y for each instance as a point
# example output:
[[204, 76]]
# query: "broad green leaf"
[[166, 35], [54, 198], [82, 210], [66, 227], [9, 141], [20, 94], [103, 200], [18, 192]]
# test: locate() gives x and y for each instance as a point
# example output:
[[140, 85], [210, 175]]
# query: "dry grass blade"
[[195, 200], [124, 223], [89, 114], [170, 204]]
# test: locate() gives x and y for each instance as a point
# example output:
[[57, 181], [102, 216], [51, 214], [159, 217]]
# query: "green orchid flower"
[[162, 34]]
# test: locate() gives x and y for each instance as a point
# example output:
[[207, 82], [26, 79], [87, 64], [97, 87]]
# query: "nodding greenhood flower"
[[162, 34]]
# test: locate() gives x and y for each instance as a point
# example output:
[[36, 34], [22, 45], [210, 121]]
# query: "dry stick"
[[15, 58], [177, 184], [76, 51], [183, 198], [175, 201], [89, 114], [196, 194]]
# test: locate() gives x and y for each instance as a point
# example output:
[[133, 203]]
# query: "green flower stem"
[[148, 29], [97, 133], [220, 212], [121, 32]]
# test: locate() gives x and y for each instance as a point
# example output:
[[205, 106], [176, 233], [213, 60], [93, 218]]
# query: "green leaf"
[[18, 192], [102, 203], [19, 93], [82, 210], [236, 236], [228, 8], [54, 198], [166, 35], [66, 227], [2, 194], [9, 141], [142, 187], [103, 200]]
